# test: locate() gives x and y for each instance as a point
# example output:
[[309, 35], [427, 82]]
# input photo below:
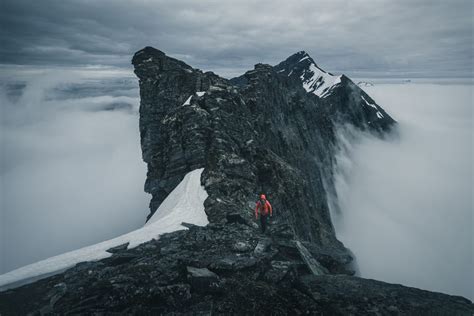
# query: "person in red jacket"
[[264, 208]]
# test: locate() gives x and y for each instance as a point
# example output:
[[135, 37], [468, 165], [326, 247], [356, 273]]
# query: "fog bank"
[[71, 171], [406, 202]]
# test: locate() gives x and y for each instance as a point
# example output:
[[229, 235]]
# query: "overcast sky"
[[357, 37]]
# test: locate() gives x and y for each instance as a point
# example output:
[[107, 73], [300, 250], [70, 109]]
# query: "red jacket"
[[263, 209]]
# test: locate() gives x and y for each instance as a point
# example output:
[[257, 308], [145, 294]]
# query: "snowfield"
[[184, 204], [320, 83]]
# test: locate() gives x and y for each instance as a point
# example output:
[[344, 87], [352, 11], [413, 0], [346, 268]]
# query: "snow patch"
[[184, 204], [200, 93], [188, 101], [329, 89], [368, 103], [306, 57], [320, 82]]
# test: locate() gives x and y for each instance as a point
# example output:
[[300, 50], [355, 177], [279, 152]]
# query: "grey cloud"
[[427, 38]]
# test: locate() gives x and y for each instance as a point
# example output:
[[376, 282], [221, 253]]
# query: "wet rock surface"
[[261, 132]]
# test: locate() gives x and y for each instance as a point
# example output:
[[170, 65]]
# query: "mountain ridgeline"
[[272, 130]]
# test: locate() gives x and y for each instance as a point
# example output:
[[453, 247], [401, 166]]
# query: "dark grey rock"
[[233, 263], [178, 282], [203, 280], [344, 295], [175, 294], [279, 269], [200, 273], [237, 218], [55, 294], [187, 225], [241, 246], [262, 246], [120, 258], [314, 266], [118, 248]]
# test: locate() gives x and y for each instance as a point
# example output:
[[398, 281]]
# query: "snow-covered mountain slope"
[[314, 79], [338, 95], [184, 204]]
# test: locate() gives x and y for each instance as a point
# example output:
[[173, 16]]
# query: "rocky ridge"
[[271, 130]]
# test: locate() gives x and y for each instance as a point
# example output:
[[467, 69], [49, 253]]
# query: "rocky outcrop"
[[272, 131], [262, 132], [201, 271]]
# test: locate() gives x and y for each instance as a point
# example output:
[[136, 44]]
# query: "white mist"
[[71, 171], [406, 202]]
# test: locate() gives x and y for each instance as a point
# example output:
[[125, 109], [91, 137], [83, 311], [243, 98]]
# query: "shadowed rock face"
[[262, 132], [269, 131]]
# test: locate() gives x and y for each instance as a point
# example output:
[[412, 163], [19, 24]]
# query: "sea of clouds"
[[405, 203], [71, 171]]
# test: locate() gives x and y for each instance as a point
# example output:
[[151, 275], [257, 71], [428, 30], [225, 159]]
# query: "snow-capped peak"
[[317, 81], [314, 79]]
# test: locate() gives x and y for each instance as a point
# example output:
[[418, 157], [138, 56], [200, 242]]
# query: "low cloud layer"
[[406, 203], [360, 38], [71, 170]]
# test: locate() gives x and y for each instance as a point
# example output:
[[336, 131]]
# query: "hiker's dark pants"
[[263, 222]]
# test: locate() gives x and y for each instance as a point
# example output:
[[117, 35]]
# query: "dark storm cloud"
[[357, 37]]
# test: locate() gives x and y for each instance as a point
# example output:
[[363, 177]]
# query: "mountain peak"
[[314, 79], [301, 56], [301, 53], [152, 60]]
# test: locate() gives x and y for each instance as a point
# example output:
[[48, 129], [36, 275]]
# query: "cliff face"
[[269, 131], [272, 131]]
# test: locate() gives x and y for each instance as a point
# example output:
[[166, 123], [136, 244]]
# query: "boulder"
[[262, 246], [242, 246], [202, 279], [233, 263], [120, 258], [118, 248], [314, 266]]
